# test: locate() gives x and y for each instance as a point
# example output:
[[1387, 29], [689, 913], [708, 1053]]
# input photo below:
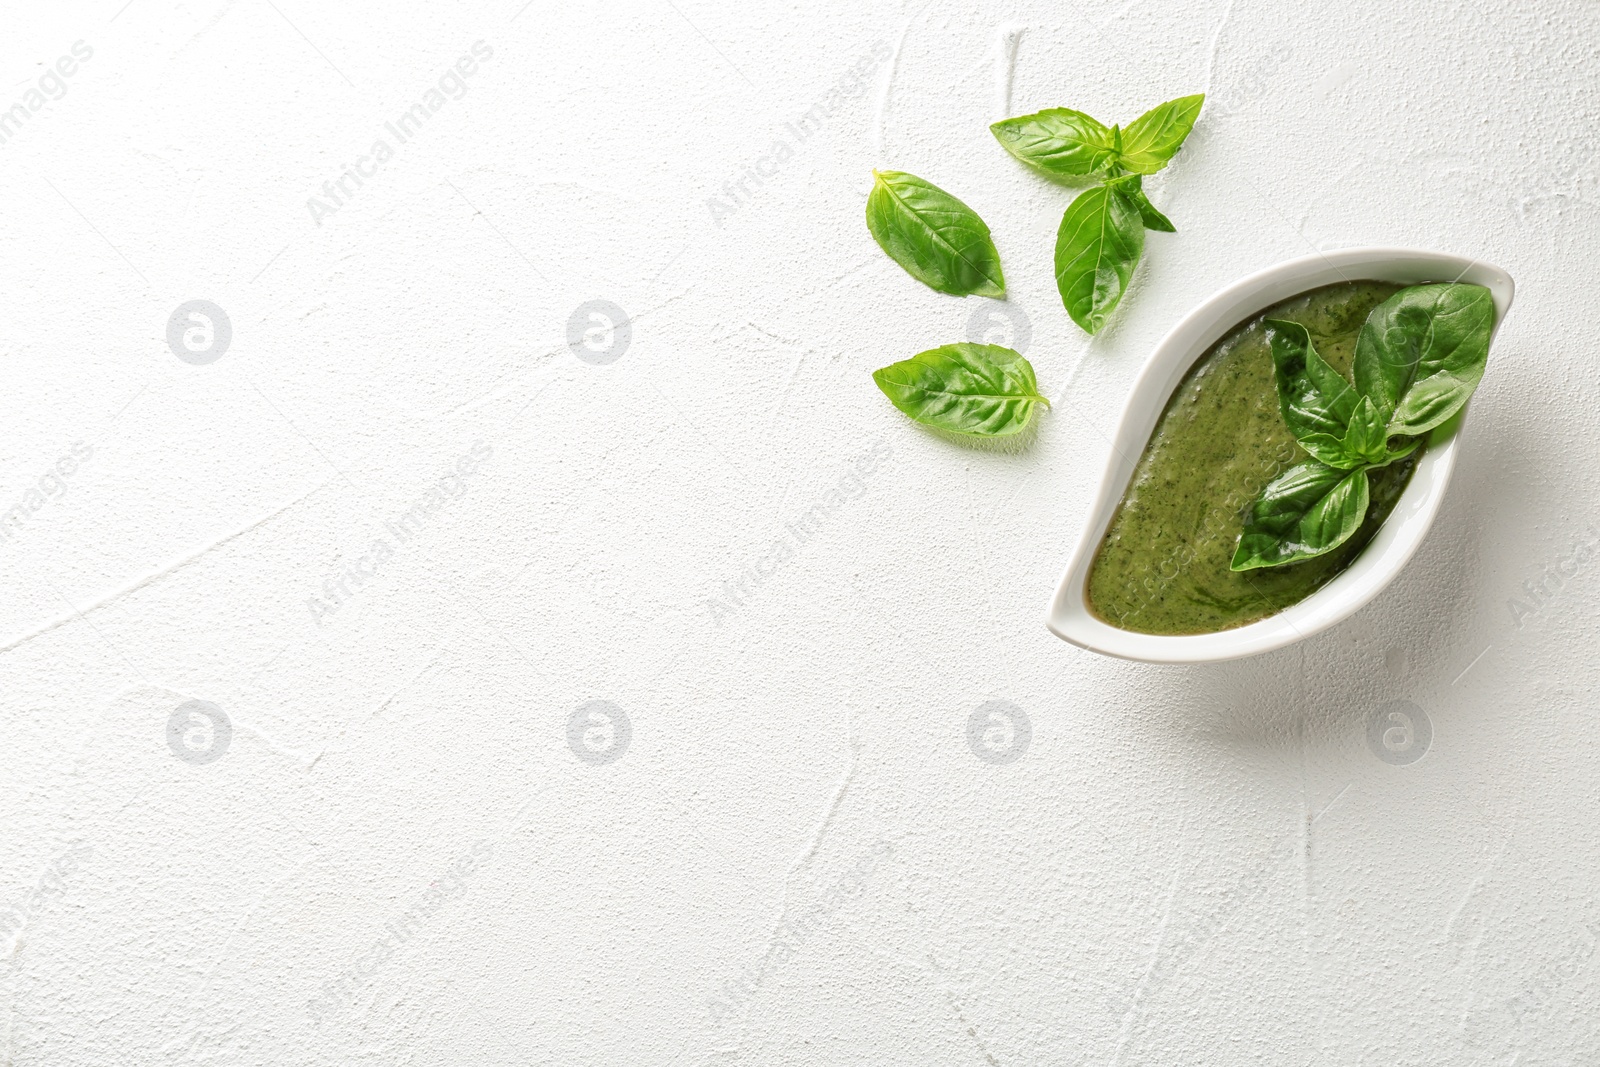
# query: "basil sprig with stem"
[[1419, 357], [1101, 238]]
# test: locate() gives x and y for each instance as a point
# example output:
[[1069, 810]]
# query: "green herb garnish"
[[986, 390], [1418, 358], [940, 241], [1421, 353], [1099, 243], [1102, 234], [979, 390]]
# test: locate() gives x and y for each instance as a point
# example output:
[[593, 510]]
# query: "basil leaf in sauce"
[[1155, 137], [1306, 511], [1407, 446], [1419, 356], [981, 390], [1315, 400], [1058, 142], [1422, 352], [1097, 247], [1364, 444], [1366, 441], [940, 241]]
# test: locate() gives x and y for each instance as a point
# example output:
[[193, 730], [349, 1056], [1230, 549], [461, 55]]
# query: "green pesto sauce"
[[1163, 566]]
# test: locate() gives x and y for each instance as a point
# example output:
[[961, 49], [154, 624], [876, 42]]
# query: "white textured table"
[[391, 681]]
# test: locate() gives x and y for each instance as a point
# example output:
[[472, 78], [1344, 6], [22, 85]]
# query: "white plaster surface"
[[797, 859]]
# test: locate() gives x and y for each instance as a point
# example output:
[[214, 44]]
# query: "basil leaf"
[[1304, 512], [982, 390], [940, 241], [1057, 142], [1327, 448], [1315, 400], [1366, 441], [1099, 243], [1363, 445], [1133, 185], [1410, 446], [1153, 219], [1421, 353], [1155, 137]]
